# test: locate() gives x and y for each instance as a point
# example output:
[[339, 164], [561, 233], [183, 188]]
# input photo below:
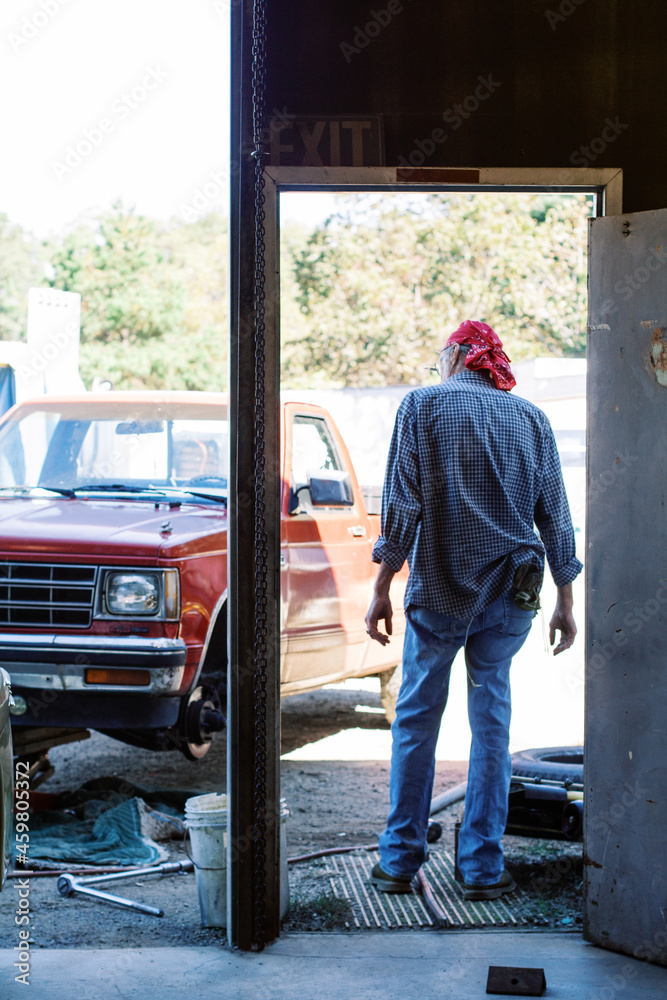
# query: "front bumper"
[[91, 710], [57, 663]]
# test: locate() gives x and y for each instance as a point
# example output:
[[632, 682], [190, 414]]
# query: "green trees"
[[153, 300], [367, 297], [380, 286]]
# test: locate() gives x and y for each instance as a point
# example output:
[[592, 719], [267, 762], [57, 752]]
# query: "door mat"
[[371, 909]]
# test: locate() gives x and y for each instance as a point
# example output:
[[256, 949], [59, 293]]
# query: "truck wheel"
[[554, 763], [390, 684]]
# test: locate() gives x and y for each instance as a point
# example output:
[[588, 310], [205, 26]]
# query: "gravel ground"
[[331, 803]]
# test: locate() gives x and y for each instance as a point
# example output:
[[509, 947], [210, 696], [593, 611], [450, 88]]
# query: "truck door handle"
[[358, 531]]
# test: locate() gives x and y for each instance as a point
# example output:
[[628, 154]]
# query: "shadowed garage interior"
[[439, 95]]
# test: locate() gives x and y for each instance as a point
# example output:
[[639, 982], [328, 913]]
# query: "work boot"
[[390, 883], [504, 884]]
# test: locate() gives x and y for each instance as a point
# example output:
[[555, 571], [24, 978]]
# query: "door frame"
[[243, 717], [605, 182]]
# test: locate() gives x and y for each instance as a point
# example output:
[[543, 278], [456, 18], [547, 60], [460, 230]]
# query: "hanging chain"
[[260, 537]]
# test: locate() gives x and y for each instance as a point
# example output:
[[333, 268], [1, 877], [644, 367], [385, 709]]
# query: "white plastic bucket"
[[284, 876], [206, 819]]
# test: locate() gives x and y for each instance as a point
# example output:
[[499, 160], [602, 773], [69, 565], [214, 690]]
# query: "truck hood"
[[112, 527]]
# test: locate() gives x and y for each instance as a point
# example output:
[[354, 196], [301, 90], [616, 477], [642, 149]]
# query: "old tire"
[[390, 684], [550, 763]]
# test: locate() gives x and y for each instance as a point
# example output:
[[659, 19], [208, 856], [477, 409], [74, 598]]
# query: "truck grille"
[[45, 594]]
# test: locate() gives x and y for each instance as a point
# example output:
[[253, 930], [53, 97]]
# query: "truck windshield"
[[89, 449]]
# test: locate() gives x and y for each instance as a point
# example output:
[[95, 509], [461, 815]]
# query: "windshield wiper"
[[148, 490], [193, 493], [70, 494], [206, 496], [114, 488], [57, 489]]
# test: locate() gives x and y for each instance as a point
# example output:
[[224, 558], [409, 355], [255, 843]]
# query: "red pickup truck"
[[113, 563]]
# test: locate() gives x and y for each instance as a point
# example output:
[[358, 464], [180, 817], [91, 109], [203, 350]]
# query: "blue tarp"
[[108, 821], [7, 388]]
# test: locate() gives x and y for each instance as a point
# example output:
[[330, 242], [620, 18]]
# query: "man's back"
[[470, 471]]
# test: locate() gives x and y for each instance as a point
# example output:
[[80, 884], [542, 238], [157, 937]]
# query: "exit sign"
[[323, 141]]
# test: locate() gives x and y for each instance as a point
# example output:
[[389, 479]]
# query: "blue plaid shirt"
[[471, 471]]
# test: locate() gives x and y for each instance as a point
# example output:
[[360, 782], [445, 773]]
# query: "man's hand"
[[563, 621], [380, 609]]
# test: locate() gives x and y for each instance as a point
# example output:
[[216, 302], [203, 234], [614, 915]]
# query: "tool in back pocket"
[[527, 583]]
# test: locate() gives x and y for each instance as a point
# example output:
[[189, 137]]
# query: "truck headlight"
[[132, 593]]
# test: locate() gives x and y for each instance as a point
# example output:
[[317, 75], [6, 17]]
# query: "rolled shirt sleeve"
[[401, 496]]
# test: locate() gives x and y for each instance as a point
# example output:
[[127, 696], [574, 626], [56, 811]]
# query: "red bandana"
[[485, 352]]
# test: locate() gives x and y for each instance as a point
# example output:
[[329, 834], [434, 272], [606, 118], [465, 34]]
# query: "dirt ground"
[[331, 803]]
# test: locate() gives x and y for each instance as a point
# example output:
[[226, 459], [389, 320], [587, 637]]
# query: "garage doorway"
[[603, 187]]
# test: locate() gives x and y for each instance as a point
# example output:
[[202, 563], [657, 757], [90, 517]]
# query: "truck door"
[[328, 554], [625, 770]]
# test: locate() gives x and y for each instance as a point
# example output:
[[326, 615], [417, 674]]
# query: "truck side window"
[[312, 450]]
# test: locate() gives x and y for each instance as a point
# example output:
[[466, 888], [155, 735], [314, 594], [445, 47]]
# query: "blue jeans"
[[432, 640]]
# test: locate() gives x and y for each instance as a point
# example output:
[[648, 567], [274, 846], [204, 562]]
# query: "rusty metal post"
[[254, 528]]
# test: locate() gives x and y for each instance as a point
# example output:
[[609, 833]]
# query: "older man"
[[471, 471]]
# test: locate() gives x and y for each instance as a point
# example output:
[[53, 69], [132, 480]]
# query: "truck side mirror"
[[331, 487], [294, 504]]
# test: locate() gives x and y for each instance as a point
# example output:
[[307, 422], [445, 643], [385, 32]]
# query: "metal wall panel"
[[626, 566], [480, 84]]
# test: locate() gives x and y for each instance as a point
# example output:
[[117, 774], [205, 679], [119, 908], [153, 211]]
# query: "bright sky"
[[118, 99], [156, 72]]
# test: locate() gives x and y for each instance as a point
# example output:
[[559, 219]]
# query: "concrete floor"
[[453, 964]]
